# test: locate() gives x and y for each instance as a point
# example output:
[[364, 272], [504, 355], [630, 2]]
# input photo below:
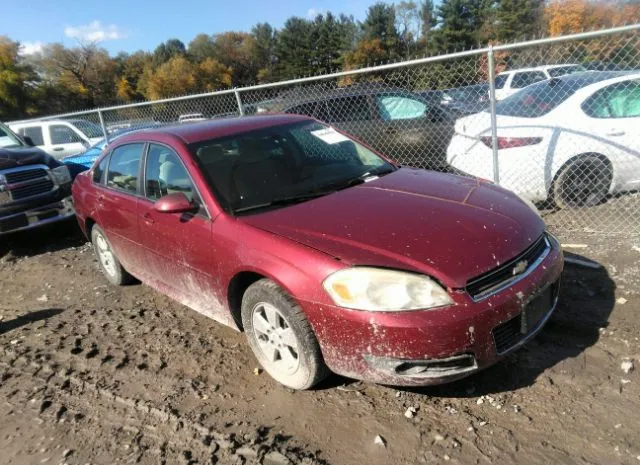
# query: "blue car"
[[84, 161]]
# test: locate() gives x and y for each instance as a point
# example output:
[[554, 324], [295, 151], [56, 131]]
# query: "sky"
[[129, 25]]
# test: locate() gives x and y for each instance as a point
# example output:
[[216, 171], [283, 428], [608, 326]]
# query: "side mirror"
[[174, 203], [28, 141]]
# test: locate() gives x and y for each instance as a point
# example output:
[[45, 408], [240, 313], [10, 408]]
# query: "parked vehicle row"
[[271, 225], [35, 189], [60, 138], [573, 140]]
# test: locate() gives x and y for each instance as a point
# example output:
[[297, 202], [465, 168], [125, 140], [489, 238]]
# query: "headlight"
[[61, 175], [381, 290]]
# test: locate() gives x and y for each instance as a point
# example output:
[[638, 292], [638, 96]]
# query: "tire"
[[109, 263], [281, 337], [584, 182]]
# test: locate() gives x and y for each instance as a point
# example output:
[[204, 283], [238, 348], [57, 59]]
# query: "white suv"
[[510, 82], [60, 138]]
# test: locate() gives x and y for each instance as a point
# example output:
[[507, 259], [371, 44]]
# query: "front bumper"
[[418, 348], [37, 216]]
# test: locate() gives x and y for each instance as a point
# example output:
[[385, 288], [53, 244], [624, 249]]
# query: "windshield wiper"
[[279, 201]]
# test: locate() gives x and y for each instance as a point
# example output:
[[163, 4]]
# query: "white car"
[[60, 138], [510, 82], [573, 140]]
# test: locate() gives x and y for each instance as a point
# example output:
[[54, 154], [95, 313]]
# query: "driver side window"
[[165, 174]]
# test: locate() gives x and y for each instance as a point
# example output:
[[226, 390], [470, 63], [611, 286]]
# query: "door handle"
[[148, 218], [615, 132], [101, 199], [58, 149]]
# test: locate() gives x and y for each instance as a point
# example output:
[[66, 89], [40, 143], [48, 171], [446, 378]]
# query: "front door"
[[64, 141], [178, 245], [118, 205]]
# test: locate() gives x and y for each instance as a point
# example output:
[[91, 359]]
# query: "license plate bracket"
[[535, 310]]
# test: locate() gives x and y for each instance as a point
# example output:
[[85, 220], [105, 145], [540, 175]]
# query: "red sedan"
[[328, 256]]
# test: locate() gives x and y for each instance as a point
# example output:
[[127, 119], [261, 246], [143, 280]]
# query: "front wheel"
[[584, 182], [281, 337]]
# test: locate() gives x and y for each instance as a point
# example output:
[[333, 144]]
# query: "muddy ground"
[[90, 373]]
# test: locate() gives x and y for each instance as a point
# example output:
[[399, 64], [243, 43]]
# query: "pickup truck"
[[35, 189]]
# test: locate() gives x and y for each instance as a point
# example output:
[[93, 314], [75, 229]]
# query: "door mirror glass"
[[174, 203]]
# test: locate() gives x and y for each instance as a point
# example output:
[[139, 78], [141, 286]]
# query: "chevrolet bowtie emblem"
[[520, 267]]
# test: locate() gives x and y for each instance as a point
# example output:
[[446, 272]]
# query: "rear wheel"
[[107, 259], [281, 337], [584, 182]]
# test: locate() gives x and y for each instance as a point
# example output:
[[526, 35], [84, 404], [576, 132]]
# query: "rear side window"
[[621, 100], [99, 170], [34, 133], [63, 135], [536, 100], [348, 109], [526, 78], [124, 166], [501, 80], [395, 107]]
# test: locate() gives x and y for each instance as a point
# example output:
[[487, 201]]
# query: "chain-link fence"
[[555, 120]]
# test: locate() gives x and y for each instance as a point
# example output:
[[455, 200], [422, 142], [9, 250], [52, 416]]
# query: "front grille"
[[25, 175], [41, 186], [482, 285], [510, 333]]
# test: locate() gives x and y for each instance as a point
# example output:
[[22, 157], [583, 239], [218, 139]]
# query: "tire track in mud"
[[134, 350], [137, 429]]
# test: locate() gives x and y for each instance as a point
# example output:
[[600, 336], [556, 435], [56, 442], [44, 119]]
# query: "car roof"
[[586, 78], [538, 68], [212, 129]]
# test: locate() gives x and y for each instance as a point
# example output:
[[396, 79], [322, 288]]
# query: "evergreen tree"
[[380, 24], [518, 19], [461, 23]]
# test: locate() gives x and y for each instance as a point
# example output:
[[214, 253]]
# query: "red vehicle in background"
[[328, 257]]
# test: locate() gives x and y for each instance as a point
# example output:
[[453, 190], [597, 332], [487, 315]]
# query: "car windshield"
[[284, 164], [89, 129], [564, 70], [538, 99], [8, 138]]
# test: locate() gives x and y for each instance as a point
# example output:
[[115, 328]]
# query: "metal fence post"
[[104, 128], [239, 100], [492, 107]]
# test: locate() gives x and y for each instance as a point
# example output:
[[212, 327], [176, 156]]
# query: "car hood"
[[21, 156], [450, 227]]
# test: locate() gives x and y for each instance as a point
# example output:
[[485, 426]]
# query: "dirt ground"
[[91, 373]]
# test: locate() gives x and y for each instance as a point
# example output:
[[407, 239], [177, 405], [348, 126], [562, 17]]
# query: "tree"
[[201, 47], [428, 19], [131, 69], [265, 40], [366, 53], [408, 25], [461, 23], [237, 50], [213, 75], [177, 76], [518, 19], [14, 77], [167, 50], [292, 49], [85, 71], [380, 23]]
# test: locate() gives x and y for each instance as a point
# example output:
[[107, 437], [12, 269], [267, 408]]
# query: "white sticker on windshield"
[[329, 136]]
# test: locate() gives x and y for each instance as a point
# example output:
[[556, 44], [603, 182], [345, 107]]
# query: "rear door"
[[64, 141], [118, 205], [412, 131], [351, 114], [178, 246]]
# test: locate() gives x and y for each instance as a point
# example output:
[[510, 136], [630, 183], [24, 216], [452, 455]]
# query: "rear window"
[[564, 70], [526, 78], [501, 80], [536, 100], [34, 133]]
